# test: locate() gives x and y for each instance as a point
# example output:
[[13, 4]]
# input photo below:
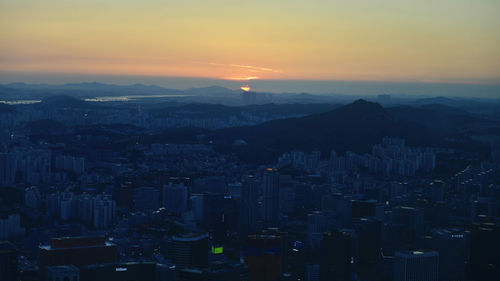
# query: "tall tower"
[[337, 255], [416, 266], [249, 197], [271, 196]]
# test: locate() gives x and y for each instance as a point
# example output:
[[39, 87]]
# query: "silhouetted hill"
[[223, 111], [66, 102], [446, 119], [355, 127]]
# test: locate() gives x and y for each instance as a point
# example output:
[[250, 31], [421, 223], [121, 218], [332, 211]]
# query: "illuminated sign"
[[121, 269], [217, 250]]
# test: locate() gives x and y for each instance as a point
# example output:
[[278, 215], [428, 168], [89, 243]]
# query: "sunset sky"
[[453, 41]]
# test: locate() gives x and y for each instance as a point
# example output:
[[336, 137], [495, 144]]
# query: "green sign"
[[217, 250]]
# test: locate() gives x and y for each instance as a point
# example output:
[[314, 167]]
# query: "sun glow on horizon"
[[245, 88], [398, 41]]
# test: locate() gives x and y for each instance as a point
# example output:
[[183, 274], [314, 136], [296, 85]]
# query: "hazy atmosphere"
[[447, 41], [263, 140]]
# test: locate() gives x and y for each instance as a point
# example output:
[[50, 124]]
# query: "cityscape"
[[267, 140], [102, 191]]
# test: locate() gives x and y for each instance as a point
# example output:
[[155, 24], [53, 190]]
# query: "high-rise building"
[[316, 225], [104, 210], [451, 246], [175, 198], [416, 266], [485, 251], [337, 255], [366, 208], [271, 186], [263, 254], [125, 195], [249, 198], [212, 208], [10, 227], [190, 250], [312, 272], [429, 161], [197, 206], [234, 189], [32, 197], [369, 234], [410, 222], [146, 198], [8, 262]]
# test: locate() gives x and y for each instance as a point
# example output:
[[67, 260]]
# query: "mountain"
[[446, 119], [354, 127], [62, 101], [270, 110]]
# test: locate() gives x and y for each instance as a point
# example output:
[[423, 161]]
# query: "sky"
[[445, 41]]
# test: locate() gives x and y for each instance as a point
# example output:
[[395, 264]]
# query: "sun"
[[245, 88]]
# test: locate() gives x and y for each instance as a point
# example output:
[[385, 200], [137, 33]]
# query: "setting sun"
[[245, 88]]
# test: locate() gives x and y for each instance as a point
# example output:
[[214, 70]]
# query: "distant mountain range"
[[355, 127], [352, 127], [216, 94]]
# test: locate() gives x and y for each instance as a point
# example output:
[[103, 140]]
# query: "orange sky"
[[382, 40]]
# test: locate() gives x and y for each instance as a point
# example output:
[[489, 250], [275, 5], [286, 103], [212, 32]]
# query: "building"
[[104, 210], [197, 206], [175, 198], [338, 250], [316, 225], [410, 222], [234, 189], [369, 236], [263, 254], [416, 266], [312, 272], [132, 271], [10, 227], [8, 262], [216, 272], [485, 251], [271, 198], [62, 273], [366, 208], [146, 198], [190, 250], [32, 197], [76, 251], [451, 245], [249, 203]]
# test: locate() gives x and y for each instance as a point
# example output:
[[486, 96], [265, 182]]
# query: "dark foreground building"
[[77, 251], [134, 271]]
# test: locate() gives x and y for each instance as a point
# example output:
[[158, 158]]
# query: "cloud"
[[241, 78], [251, 68]]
